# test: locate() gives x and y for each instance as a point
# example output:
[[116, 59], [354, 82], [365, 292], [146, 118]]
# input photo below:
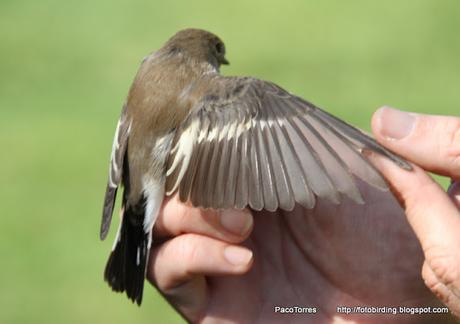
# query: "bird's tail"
[[126, 267]]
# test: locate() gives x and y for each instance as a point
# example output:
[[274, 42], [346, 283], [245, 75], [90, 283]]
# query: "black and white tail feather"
[[125, 269], [126, 266]]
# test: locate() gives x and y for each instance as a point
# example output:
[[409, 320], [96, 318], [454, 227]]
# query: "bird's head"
[[199, 45]]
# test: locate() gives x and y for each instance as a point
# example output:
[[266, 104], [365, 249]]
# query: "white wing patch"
[[154, 192], [115, 147], [183, 152], [114, 167], [119, 146]]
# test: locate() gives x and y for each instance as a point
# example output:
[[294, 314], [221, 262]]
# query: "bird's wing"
[[119, 146], [250, 143]]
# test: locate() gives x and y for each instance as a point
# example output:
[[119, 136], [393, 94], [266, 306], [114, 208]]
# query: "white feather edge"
[[113, 163], [184, 147], [154, 192], [183, 152], [115, 147], [117, 237]]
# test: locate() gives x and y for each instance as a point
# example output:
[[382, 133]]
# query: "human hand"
[[344, 255], [433, 143]]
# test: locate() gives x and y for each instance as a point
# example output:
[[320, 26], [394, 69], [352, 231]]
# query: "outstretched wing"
[[249, 142], [119, 146]]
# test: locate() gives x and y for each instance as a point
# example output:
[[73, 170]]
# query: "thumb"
[[432, 142]]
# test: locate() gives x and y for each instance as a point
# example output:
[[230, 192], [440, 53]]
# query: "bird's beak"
[[224, 61]]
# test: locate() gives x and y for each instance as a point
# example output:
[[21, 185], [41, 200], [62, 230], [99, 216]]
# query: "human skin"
[[433, 143], [236, 266]]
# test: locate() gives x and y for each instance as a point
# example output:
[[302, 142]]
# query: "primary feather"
[[267, 149]]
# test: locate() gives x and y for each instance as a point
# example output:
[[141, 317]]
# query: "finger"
[[181, 258], [177, 218], [433, 142], [436, 222], [178, 267], [429, 210], [454, 193]]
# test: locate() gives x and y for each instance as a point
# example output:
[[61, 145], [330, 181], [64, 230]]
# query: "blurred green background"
[[65, 68]]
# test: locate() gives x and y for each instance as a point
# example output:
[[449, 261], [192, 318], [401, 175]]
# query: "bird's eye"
[[219, 48]]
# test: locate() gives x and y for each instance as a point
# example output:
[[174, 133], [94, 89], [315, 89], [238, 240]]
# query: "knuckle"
[[175, 263], [190, 249], [181, 218], [444, 266], [438, 289]]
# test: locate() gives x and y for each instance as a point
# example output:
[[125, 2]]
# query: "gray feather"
[[267, 149]]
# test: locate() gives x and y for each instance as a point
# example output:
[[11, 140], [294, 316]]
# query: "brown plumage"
[[221, 142]]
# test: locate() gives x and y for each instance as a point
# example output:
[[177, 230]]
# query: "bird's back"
[[158, 102]]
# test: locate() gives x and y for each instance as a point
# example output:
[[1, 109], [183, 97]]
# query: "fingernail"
[[236, 221], [237, 255], [395, 124]]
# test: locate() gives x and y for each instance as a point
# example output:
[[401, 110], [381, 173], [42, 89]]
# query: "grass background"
[[65, 68]]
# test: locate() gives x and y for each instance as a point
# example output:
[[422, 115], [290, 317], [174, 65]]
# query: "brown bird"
[[220, 142]]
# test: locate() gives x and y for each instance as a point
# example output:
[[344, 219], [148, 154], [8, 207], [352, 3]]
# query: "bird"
[[220, 142]]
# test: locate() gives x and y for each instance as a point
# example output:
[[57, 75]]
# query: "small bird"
[[220, 142]]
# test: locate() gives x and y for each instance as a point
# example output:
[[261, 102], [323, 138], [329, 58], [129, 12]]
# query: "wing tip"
[[405, 165], [107, 211], [395, 158], [103, 232]]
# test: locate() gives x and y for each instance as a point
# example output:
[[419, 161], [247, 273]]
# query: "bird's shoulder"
[[220, 92]]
